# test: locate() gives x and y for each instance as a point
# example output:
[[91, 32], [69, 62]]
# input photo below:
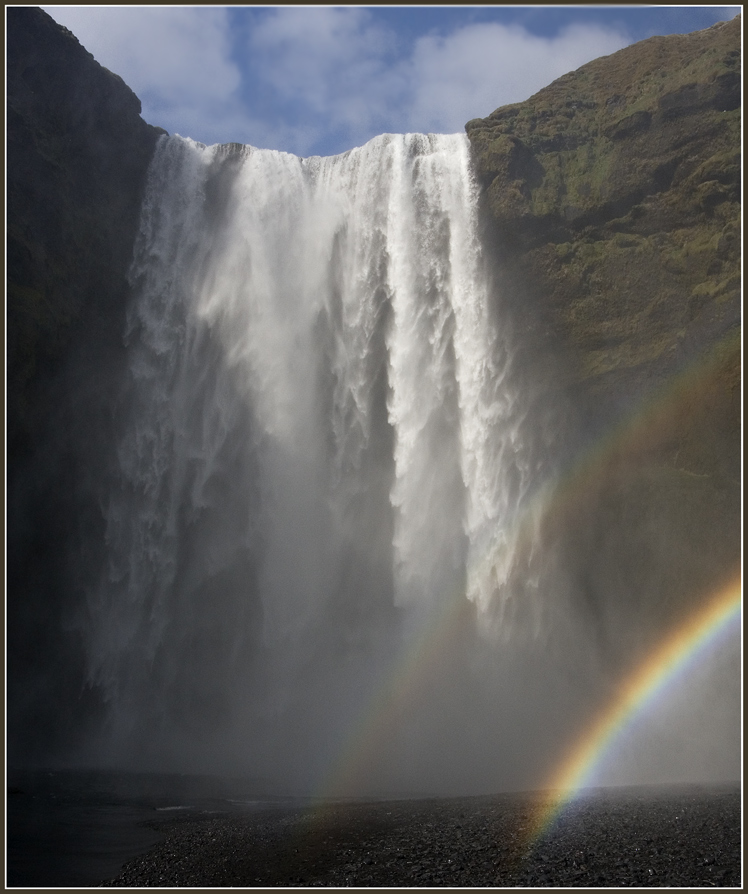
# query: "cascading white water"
[[323, 443]]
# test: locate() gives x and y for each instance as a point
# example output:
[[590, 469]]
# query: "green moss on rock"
[[614, 193]]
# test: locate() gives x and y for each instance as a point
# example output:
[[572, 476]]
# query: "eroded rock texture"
[[78, 152]]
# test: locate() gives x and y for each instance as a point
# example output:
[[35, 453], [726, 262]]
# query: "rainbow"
[[394, 697], [678, 650], [642, 431]]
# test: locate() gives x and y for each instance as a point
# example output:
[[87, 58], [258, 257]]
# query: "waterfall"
[[323, 446]]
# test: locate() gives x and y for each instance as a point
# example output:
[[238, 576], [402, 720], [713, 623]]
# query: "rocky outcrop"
[[611, 204], [77, 156], [78, 151], [615, 192]]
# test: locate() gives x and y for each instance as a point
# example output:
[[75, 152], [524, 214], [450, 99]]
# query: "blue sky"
[[320, 80]]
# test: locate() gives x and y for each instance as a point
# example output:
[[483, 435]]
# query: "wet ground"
[[648, 836]]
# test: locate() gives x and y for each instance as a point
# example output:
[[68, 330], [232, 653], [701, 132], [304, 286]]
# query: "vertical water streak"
[[131, 611], [323, 437]]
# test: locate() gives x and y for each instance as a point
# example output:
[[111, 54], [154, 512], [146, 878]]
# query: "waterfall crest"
[[323, 449]]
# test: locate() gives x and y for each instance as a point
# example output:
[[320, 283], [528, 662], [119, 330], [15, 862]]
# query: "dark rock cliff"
[[611, 204], [77, 156]]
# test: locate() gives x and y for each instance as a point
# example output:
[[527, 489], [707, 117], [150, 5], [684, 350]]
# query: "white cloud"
[[340, 66], [319, 79], [336, 63], [313, 52], [471, 72], [176, 59]]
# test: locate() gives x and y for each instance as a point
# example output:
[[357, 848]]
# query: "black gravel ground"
[[653, 837]]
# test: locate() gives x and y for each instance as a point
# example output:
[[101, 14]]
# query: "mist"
[[339, 550]]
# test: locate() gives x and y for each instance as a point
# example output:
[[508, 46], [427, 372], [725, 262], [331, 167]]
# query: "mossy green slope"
[[617, 190]]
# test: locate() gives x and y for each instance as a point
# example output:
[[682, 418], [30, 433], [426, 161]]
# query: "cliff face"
[[611, 205], [616, 192], [78, 153]]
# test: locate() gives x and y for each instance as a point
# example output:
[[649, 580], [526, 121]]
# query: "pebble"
[[685, 836]]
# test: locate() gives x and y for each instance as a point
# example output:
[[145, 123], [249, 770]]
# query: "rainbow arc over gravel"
[[679, 651]]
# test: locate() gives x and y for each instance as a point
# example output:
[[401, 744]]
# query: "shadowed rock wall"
[[78, 152]]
